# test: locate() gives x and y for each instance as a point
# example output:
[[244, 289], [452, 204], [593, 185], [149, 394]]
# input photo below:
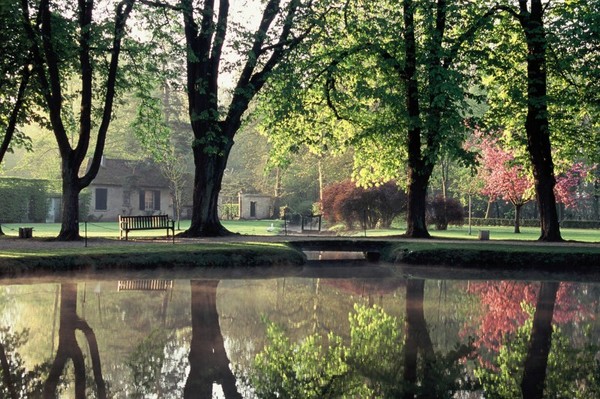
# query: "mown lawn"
[[131, 257], [496, 233], [111, 229]]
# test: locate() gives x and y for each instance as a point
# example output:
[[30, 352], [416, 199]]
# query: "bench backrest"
[[141, 222]]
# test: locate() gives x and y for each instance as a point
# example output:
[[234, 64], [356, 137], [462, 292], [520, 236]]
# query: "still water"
[[327, 330]]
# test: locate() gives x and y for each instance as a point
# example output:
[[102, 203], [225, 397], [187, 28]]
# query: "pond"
[[330, 329]]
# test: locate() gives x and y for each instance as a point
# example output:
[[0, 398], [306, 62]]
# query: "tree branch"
[[121, 15], [14, 115]]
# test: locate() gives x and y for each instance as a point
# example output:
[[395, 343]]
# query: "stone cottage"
[[255, 206], [124, 187]]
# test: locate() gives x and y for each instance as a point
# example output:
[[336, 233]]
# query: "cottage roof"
[[128, 173]]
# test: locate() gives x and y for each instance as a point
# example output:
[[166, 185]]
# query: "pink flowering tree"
[[565, 189], [504, 177]]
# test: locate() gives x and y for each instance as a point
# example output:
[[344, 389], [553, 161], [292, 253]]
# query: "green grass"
[[111, 229], [131, 257], [496, 233], [485, 255]]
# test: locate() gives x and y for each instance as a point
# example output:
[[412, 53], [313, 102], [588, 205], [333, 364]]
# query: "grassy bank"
[[505, 256], [144, 256]]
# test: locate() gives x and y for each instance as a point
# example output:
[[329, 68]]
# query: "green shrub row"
[[504, 222], [580, 224], [571, 224], [23, 200]]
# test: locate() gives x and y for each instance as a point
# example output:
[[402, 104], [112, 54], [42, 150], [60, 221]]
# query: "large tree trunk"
[[534, 369], [69, 230], [418, 178], [209, 170], [537, 125], [417, 205]]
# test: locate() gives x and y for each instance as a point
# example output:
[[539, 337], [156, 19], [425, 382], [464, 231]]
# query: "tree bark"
[[209, 171], [537, 124], [534, 370], [417, 205], [69, 229], [518, 208], [417, 174]]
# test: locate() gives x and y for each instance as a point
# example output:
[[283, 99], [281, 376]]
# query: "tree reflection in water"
[[534, 370], [375, 355], [379, 361], [208, 360], [69, 349]]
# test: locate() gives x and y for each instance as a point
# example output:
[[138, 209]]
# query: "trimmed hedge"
[[570, 224], [504, 222], [580, 224], [23, 200]]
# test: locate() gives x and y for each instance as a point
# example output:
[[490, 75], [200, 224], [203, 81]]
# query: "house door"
[[252, 209]]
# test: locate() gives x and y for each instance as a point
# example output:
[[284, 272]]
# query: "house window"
[[149, 200], [101, 199]]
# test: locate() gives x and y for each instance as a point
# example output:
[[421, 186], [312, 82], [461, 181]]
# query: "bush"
[[445, 211], [345, 203], [23, 200]]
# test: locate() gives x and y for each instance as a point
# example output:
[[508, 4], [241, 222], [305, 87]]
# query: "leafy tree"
[[15, 72], [396, 102], [376, 206], [380, 359], [504, 177], [444, 211], [279, 30], [62, 49], [504, 310], [539, 82]]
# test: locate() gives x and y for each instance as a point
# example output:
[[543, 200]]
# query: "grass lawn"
[[496, 233], [111, 229], [131, 257]]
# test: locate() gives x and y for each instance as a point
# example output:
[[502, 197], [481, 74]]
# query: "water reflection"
[[208, 359], [199, 338]]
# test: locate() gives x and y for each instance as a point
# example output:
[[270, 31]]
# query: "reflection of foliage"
[[20, 382], [572, 372], [370, 366], [502, 311], [304, 370], [146, 362]]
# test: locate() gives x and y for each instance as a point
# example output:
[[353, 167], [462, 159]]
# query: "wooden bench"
[[153, 222]]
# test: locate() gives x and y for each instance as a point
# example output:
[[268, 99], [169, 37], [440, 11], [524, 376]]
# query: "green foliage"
[[346, 203], [145, 362], [370, 365], [308, 370], [572, 372], [444, 211], [23, 200]]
